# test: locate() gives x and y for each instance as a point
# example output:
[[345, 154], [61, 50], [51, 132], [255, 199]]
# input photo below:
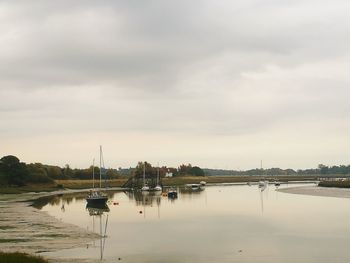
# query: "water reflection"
[[226, 224], [96, 212], [63, 200]]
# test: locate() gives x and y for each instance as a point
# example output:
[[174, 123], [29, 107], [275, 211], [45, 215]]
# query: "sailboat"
[[145, 187], [158, 187], [96, 196]]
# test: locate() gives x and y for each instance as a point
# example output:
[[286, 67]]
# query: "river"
[[233, 223]]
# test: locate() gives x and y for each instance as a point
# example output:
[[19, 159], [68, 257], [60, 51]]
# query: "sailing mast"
[[100, 166], [93, 173], [144, 174], [158, 175]]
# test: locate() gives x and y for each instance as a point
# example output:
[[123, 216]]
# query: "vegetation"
[[321, 169], [339, 184], [16, 173], [181, 180], [20, 257], [41, 177]]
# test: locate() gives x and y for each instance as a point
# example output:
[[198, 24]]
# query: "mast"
[[100, 165], [158, 175], [93, 173], [144, 174]]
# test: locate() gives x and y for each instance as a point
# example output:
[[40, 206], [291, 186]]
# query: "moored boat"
[[172, 193], [96, 196]]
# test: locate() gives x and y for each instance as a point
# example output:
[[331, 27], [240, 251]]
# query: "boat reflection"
[[145, 198], [62, 200], [99, 211]]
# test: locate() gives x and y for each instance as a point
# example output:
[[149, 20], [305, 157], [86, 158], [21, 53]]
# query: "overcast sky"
[[219, 84]]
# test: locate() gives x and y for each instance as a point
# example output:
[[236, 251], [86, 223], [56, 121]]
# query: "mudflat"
[[24, 228], [318, 191]]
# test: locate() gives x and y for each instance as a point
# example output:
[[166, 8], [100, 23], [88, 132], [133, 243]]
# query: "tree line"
[[17, 173], [321, 169]]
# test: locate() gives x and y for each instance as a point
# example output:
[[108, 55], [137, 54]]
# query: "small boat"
[[262, 184], [172, 193], [202, 183], [277, 183], [194, 187], [145, 188], [158, 188], [96, 196]]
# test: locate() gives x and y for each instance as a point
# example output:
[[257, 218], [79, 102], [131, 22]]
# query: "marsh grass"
[[179, 180], [20, 258], [339, 184]]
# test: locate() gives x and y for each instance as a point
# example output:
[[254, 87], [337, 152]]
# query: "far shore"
[[60, 185]]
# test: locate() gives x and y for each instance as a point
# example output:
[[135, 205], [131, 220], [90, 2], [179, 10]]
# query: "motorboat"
[[172, 193], [193, 187]]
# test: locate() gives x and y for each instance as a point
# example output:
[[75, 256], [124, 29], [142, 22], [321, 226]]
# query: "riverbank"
[[26, 229], [173, 181], [318, 191]]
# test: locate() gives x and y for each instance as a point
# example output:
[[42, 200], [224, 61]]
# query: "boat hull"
[[97, 200]]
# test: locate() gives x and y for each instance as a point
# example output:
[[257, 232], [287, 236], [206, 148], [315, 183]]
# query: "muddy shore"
[[318, 191], [24, 228]]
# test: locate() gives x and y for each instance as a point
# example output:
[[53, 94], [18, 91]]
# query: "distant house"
[[168, 174]]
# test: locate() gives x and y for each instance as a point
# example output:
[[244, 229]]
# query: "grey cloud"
[[194, 66]]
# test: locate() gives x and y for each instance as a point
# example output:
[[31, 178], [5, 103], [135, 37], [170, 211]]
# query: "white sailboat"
[[158, 187], [96, 196], [145, 187]]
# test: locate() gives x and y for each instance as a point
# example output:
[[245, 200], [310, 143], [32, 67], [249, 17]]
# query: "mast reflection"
[[99, 211]]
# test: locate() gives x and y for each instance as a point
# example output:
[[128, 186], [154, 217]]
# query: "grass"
[[20, 258], [85, 184], [181, 180], [339, 184]]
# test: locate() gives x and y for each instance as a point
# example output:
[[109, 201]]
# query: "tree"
[[13, 171], [196, 171], [323, 169]]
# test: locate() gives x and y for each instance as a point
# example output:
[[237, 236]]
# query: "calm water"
[[220, 224]]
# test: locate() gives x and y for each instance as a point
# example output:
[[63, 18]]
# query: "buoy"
[[140, 212]]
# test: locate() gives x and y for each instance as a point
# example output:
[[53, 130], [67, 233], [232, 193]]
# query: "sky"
[[218, 84]]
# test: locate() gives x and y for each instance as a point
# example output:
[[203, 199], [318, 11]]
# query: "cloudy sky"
[[219, 84]]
